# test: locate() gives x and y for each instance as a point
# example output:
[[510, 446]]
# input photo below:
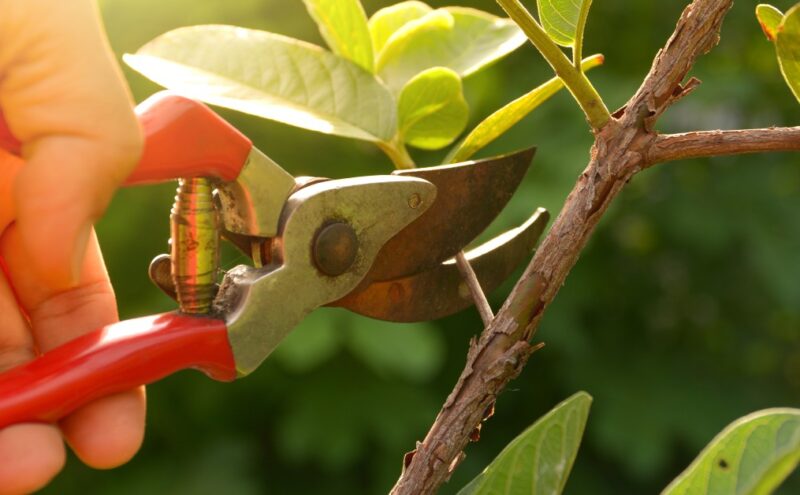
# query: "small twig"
[[469, 276], [397, 152], [703, 144]]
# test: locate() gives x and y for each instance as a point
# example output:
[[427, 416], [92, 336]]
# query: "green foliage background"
[[682, 315]]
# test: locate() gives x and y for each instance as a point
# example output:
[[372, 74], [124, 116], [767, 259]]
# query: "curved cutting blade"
[[469, 197], [441, 291]]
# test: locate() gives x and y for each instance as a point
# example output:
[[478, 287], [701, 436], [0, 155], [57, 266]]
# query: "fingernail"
[[79, 253]]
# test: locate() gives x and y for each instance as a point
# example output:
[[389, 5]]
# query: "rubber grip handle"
[[113, 359], [185, 138], [182, 138]]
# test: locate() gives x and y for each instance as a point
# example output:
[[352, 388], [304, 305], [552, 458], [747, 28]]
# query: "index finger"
[[64, 97]]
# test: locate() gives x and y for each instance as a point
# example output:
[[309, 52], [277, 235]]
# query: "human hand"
[[64, 98]]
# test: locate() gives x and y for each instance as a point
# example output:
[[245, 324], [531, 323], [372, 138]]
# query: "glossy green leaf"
[[387, 21], [507, 117], [752, 456], [271, 76], [564, 20], [343, 24], [462, 39], [788, 46], [770, 19], [539, 461], [432, 111]]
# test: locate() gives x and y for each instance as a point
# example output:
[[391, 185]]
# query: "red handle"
[[182, 138], [110, 360], [185, 138]]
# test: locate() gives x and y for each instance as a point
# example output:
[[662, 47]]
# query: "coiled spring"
[[194, 225]]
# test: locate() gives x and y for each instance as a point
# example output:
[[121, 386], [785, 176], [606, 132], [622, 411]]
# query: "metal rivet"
[[415, 201], [335, 249]]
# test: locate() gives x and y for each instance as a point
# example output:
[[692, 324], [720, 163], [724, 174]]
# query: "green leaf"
[[271, 76], [788, 46], [564, 20], [343, 24], [538, 461], [507, 117], [751, 456], [462, 39], [432, 110], [387, 21], [770, 18]]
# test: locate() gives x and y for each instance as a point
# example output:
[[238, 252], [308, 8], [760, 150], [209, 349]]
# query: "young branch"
[[703, 144], [622, 148], [574, 79]]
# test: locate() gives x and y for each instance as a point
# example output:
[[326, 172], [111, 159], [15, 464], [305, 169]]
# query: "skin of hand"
[[64, 97]]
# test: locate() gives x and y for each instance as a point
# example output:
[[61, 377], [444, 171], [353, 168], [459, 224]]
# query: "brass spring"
[[194, 226]]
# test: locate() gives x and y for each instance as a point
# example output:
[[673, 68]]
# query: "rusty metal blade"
[[469, 197], [441, 291]]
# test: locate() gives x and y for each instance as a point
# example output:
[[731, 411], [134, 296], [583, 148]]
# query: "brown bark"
[[625, 146], [704, 144]]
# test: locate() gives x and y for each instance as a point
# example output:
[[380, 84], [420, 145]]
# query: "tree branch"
[[620, 151], [703, 144]]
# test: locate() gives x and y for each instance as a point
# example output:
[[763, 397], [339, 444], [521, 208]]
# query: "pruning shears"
[[381, 246]]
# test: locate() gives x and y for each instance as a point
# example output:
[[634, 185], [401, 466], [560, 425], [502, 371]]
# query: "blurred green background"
[[682, 315]]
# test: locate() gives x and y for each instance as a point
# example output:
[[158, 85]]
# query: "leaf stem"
[[577, 53], [576, 81], [398, 153], [577, 47]]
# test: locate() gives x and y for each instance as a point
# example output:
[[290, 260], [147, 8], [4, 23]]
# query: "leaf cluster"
[[394, 79]]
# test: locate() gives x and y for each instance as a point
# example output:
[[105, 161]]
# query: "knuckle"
[[59, 311], [11, 354], [124, 143]]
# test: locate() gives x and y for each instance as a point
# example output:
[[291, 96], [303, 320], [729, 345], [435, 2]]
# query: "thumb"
[[64, 97]]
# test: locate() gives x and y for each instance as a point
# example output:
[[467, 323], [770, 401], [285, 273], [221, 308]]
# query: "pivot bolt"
[[415, 201], [335, 249]]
